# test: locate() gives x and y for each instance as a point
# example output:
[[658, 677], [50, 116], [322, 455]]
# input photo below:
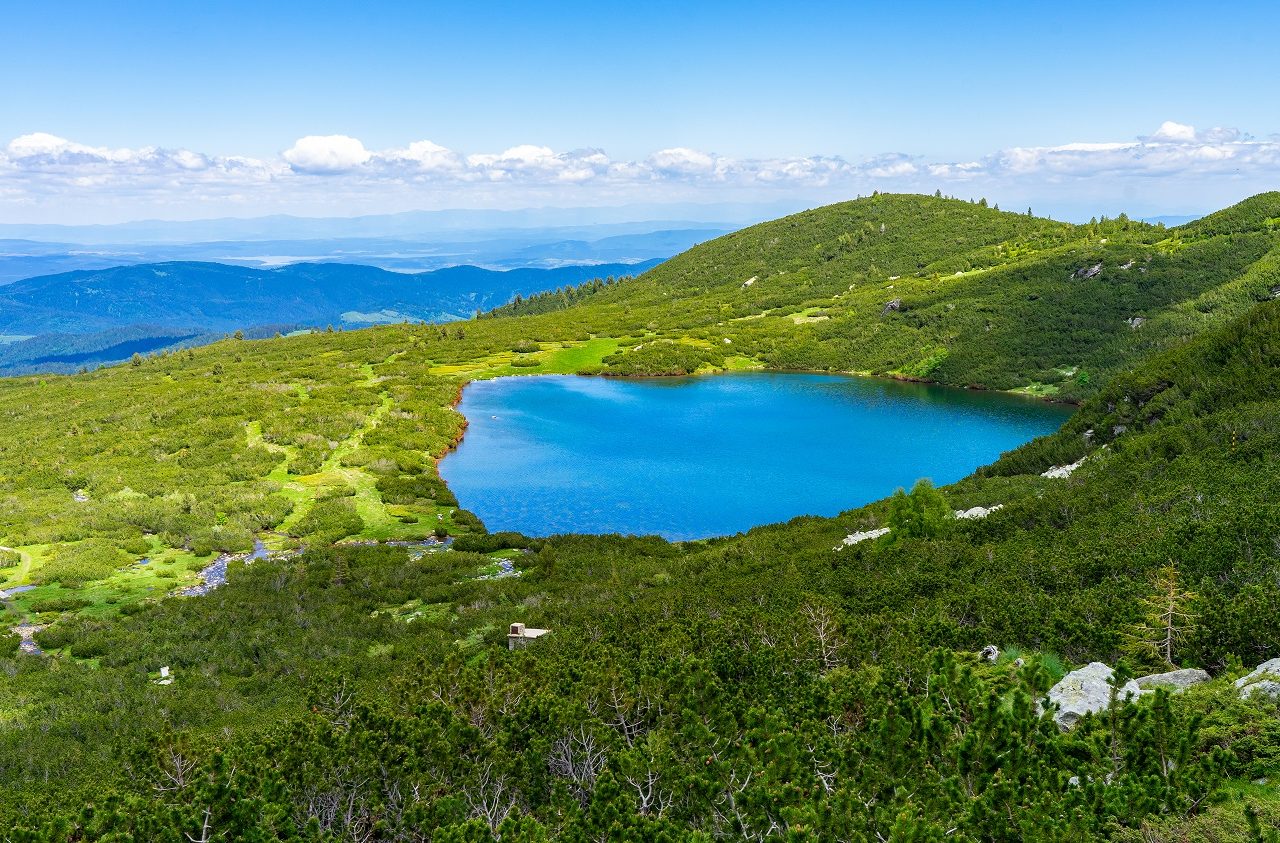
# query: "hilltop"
[[943, 290], [775, 683]]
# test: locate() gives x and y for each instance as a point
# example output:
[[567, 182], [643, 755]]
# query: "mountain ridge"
[[218, 296]]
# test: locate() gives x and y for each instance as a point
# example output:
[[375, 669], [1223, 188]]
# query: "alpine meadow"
[[246, 607]]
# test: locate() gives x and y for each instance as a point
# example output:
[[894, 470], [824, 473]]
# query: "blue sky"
[[861, 83]]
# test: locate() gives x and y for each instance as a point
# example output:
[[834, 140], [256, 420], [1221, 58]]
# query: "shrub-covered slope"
[[761, 686], [773, 685], [944, 290]]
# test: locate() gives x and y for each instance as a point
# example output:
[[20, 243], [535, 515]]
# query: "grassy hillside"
[[357, 674], [752, 687], [942, 290]]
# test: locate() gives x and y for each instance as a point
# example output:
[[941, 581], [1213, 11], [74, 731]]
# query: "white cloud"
[[326, 154], [424, 156], [1175, 132], [681, 161], [60, 175]]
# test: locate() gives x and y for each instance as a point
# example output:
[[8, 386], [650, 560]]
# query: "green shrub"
[[86, 561], [328, 521], [60, 603]]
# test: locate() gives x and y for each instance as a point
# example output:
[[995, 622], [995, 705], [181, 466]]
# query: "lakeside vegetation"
[[762, 686]]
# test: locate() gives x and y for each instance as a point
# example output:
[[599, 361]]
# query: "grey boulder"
[[1265, 680], [1086, 691], [1174, 680]]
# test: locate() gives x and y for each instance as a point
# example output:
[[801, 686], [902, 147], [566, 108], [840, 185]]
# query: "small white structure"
[[520, 635], [165, 678]]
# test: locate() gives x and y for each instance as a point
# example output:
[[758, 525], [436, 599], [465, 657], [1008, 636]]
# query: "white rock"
[[854, 538], [1086, 691], [1174, 680], [1265, 679], [1061, 472], [1266, 687], [977, 511]]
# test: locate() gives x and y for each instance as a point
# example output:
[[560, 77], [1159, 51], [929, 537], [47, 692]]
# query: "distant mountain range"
[[454, 225], [543, 247], [64, 321]]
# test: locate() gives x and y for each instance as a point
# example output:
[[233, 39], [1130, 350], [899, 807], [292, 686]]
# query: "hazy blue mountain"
[[542, 247], [73, 320], [218, 297], [477, 224]]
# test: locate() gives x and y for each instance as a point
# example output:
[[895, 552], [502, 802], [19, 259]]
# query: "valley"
[[780, 681]]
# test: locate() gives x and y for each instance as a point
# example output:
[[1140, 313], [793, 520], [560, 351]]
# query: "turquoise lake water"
[[714, 455]]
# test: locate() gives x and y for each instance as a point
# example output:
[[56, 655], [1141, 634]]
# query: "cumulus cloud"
[[1173, 149], [424, 156], [1174, 132], [47, 170], [326, 154], [682, 161]]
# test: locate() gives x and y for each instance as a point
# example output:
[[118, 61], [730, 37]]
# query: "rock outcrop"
[[1061, 472], [1086, 691], [1265, 680], [862, 536], [1173, 680], [892, 307], [1089, 271], [977, 512]]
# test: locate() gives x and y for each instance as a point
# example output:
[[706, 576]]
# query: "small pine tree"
[[135, 360], [1166, 619]]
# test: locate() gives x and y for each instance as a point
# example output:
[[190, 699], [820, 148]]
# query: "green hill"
[[943, 290], [761, 686]]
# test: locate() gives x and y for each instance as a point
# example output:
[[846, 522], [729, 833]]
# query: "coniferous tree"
[[1166, 619]]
